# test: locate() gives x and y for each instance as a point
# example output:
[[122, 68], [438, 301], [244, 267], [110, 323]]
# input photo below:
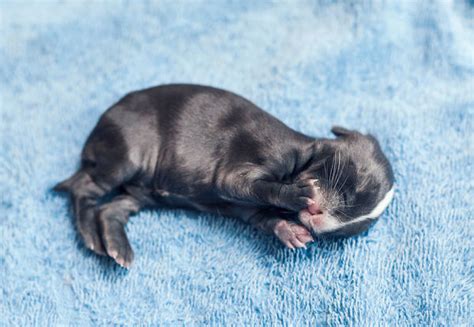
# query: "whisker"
[[333, 171], [325, 170], [340, 167], [329, 176], [342, 185], [344, 214], [349, 206]]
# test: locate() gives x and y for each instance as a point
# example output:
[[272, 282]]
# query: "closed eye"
[[343, 214]]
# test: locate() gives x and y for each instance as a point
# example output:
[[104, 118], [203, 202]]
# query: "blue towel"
[[402, 70]]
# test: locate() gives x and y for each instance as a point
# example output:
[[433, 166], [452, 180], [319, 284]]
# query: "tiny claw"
[[120, 261], [113, 254]]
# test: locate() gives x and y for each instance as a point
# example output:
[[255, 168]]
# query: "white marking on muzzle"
[[376, 212]]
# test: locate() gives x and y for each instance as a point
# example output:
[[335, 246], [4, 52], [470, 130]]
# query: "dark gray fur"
[[208, 149]]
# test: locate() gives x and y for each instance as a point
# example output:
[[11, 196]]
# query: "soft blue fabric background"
[[401, 70]]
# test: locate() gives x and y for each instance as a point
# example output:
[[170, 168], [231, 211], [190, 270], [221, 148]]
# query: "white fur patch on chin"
[[332, 223]]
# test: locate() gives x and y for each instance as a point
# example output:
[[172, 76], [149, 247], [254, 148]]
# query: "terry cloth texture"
[[402, 70]]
